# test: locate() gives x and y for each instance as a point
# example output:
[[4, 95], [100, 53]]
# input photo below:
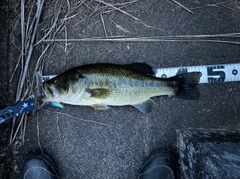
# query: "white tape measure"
[[209, 73]]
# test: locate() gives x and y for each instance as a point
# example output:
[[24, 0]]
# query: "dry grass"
[[215, 38], [28, 34], [63, 11]]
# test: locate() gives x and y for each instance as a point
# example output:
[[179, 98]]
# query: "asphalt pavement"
[[87, 143]]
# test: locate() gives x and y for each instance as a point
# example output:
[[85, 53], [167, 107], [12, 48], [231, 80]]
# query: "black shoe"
[[39, 167], [159, 165]]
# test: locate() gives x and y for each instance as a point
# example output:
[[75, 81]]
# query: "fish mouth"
[[49, 93]]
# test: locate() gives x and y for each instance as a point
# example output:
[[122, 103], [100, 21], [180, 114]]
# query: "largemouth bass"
[[103, 85]]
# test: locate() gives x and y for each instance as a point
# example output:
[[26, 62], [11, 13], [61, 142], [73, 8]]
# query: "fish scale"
[[123, 89]]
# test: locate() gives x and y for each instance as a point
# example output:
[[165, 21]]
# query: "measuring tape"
[[208, 73]]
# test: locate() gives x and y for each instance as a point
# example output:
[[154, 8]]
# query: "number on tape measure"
[[215, 74]]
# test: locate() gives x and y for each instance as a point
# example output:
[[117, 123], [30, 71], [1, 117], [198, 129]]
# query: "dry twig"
[[28, 47], [217, 38], [182, 6], [68, 115], [126, 13]]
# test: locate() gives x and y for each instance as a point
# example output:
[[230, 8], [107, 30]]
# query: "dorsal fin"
[[143, 67]]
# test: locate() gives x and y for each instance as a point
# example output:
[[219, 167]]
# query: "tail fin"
[[187, 85]]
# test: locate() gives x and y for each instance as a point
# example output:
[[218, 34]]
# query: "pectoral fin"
[[146, 106], [100, 106], [99, 93]]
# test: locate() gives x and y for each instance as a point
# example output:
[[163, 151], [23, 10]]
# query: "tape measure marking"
[[208, 73]]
